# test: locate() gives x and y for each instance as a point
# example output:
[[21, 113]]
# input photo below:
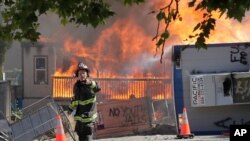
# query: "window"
[[41, 70], [227, 84]]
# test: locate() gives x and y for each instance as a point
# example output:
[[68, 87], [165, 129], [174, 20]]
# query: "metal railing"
[[118, 88]]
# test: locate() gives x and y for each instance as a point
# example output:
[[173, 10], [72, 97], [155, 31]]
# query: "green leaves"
[[98, 13], [191, 3], [130, 2], [8, 2], [205, 28], [20, 20], [161, 15], [234, 9], [162, 39], [197, 27], [168, 13], [200, 42], [159, 42], [92, 13], [165, 35]]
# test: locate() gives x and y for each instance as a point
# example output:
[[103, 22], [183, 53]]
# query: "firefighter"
[[84, 102]]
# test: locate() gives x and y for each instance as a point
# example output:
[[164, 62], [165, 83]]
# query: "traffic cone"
[[185, 129], [60, 135]]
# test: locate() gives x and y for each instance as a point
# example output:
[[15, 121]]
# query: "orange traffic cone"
[[60, 135], [185, 129]]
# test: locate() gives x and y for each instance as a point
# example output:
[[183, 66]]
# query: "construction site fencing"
[[38, 120], [118, 88]]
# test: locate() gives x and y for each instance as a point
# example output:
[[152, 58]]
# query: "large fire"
[[124, 49], [109, 59]]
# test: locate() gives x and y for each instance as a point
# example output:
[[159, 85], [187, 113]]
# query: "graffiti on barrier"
[[225, 123], [238, 55], [130, 115]]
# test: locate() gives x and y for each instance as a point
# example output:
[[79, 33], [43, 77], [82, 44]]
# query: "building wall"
[[32, 90], [13, 57], [218, 58], [5, 98]]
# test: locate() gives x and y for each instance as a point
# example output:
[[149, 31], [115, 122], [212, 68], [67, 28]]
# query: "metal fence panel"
[[117, 88], [44, 116], [35, 123], [23, 130]]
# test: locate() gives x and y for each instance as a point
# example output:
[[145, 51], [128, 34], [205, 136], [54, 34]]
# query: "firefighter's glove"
[[88, 81], [85, 114]]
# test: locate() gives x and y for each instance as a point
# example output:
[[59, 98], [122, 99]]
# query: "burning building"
[[119, 74], [121, 57]]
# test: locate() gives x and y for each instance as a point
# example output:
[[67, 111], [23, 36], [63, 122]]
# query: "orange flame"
[[103, 56]]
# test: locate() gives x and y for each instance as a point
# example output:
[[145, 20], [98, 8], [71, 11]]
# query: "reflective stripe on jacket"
[[86, 119], [75, 103]]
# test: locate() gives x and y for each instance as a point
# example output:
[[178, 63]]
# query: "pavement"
[[166, 137], [148, 137], [158, 138]]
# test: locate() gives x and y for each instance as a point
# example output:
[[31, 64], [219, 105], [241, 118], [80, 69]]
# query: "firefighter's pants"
[[84, 131]]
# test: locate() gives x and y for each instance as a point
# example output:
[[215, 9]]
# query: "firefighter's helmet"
[[82, 66]]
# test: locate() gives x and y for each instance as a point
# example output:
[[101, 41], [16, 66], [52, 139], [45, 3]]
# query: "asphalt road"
[[163, 138], [166, 137], [152, 138]]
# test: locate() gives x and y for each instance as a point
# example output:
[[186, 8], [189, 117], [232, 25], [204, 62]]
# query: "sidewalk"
[[166, 137]]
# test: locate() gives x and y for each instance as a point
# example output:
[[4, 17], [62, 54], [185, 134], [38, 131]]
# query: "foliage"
[[233, 9], [16, 115], [20, 17]]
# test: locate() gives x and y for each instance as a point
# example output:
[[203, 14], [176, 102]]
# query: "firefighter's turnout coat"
[[84, 101]]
